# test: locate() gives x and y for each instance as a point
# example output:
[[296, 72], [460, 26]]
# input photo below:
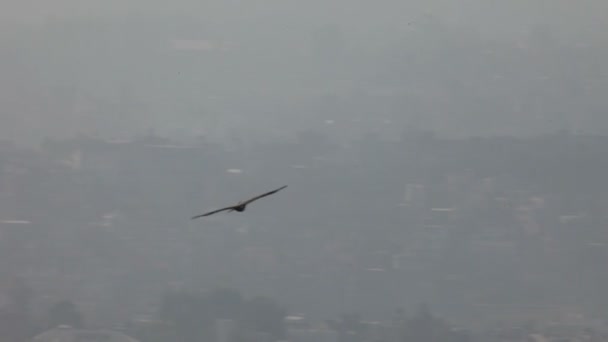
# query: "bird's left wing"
[[264, 195]]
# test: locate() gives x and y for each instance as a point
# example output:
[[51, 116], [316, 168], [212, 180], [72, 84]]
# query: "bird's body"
[[241, 206]]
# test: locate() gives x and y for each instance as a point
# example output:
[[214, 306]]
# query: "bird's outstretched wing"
[[212, 212], [263, 195], [240, 204]]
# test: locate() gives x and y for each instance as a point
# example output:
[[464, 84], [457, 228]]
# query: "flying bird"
[[240, 207]]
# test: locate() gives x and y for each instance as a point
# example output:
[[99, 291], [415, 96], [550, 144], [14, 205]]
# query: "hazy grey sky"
[[116, 54], [493, 13]]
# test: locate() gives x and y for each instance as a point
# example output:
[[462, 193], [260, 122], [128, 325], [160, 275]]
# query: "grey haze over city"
[[266, 69], [445, 163]]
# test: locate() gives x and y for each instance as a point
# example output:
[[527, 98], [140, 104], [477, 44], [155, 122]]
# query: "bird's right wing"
[[211, 212]]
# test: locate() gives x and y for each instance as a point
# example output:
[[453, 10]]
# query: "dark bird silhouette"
[[240, 207]]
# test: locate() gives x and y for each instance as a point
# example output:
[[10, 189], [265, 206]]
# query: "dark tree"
[[15, 327], [20, 297], [262, 314], [193, 314], [65, 313], [349, 327], [16, 323], [424, 326], [187, 313], [225, 303]]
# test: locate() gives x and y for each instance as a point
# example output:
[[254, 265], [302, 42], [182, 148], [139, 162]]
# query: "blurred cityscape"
[[446, 164], [504, 238]]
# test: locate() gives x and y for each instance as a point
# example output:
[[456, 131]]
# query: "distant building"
[[64, 333], [312, 335], [415, 195], [226, 330], [257, 337], [441, 216], [296, 322]]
